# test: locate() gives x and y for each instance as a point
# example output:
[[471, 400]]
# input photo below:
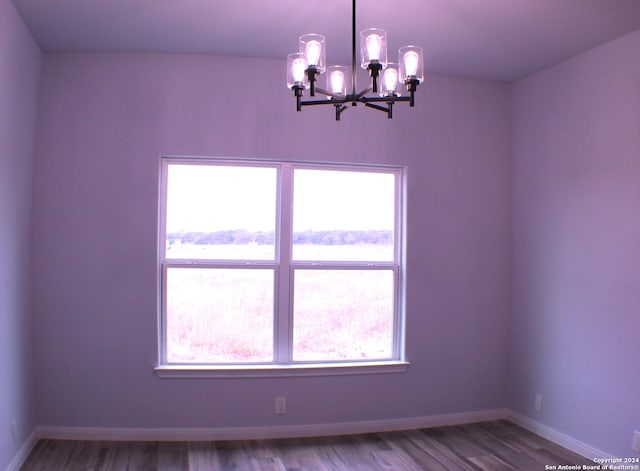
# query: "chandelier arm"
[[333, 101], [360, 95], [387, 109], [376, 107], [379, 99], [371, 103], [339, 109], [328, 93]]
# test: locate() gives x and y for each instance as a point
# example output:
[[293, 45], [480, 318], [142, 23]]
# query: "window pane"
[[343, 315], [219, 315], [341, 215], [221, 212]]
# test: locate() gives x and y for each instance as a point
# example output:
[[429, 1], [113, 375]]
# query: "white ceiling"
[[494, 39]]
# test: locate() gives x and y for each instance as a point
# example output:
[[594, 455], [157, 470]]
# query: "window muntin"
[[360, 265]]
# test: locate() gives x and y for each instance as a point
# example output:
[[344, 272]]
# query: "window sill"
[[279, 371]]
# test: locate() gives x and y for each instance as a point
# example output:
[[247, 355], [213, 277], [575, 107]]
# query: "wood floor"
[[498, 445]]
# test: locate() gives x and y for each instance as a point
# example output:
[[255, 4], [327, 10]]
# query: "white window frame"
[[284, 269]]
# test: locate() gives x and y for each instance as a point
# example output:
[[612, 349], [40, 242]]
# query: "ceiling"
[[492, 39]]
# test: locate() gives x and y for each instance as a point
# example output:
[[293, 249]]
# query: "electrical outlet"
[[281, 405], [14, 429], [537, 404], [636, 441]]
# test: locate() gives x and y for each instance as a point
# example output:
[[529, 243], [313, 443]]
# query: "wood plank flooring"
[[497, 445]]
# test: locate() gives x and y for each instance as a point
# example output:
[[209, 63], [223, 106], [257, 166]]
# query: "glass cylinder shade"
[[337, 80], [411, 63], [314, 49], [373, 47], [296, 67], [390, 80]]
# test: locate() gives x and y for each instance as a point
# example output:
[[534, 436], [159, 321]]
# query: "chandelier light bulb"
[[390, 78], [337, 80], [374, 44], [298, 68], [373, 47], [411, 63], [313, 50]]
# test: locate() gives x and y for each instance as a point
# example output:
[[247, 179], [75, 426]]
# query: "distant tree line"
[[242, 237]]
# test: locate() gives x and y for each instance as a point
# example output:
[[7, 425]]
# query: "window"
[[274, 265]]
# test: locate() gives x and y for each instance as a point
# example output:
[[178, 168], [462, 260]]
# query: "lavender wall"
[[576, 301], [19, 74], [106, 118]]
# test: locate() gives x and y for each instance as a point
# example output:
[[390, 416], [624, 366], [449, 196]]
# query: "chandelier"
[[306, 66]]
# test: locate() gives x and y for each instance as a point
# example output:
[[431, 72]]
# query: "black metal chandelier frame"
[[339, 101]]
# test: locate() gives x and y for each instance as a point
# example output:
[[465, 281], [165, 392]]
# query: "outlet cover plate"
[[281, 405], [537, 405]]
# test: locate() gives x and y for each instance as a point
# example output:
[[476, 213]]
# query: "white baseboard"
[[288, 431], [255, 433], [24, 451], [556, 437]]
